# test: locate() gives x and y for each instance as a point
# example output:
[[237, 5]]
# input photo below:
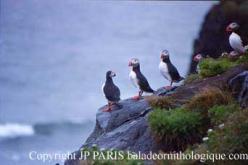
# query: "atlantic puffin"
[[234, 39], [110, 91], [198, 58], [138, 79], [168, 70]]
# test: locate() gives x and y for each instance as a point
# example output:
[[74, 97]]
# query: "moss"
[[176, 128], [243, 59], [212, 67], [219, 113]]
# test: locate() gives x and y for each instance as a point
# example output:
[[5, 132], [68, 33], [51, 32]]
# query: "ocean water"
[[54, 55]]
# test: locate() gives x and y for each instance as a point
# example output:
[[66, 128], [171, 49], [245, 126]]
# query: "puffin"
[[235, 40], [110, 91], [168, 70], [198, 58], [138, 79]]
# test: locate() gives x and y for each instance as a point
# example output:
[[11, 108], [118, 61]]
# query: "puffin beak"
[[114, 74], [228, 29], [162, 57]]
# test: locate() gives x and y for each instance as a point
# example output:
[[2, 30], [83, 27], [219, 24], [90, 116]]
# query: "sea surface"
[[54, 55]]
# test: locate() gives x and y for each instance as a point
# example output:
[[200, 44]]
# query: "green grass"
[[219, 113], [176, 128], [242, 59], [233, 137], [212, 67]]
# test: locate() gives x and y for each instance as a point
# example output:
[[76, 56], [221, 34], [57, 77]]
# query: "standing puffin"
[[110, 91], [168, 70], [138, 79], [234, 39], [198, 58]]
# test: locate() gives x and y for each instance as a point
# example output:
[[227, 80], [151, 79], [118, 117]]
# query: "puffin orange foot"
[[136, 98], [168, 87], [107, 110]]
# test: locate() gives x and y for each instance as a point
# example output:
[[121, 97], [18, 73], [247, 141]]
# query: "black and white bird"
[[198, 58], [138, 79], [110, 91], [235, 40], [168, 70]]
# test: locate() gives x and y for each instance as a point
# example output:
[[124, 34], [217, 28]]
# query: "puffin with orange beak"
[[234, 39], [110, 91], [168, 70], [138, 79]]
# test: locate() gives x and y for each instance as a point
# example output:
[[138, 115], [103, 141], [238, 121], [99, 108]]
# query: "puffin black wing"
[[174, 73], [111, 92], [143, 83]]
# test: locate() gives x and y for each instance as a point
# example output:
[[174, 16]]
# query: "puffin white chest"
[[133, 78], [103, 85], [236, 42], [163, 68]]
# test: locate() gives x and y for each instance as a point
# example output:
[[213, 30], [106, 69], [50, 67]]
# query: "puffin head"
[[110, 74], [232, 27], [198, 57], [164, 55], [134, 62]]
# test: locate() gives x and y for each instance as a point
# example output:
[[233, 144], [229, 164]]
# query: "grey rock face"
[[239, 86], [125, 128]]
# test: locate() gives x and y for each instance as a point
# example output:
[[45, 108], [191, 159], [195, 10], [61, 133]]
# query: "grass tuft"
[[176, 128], [212, 67], [233, 137], [243, 59], [163, 102], [219, 113], [208, 98]]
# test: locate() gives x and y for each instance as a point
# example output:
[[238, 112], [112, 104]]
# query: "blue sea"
[[54, 55]]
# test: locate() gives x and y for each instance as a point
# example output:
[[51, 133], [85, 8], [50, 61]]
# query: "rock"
[[162, 91], [124, 129], [127, 128], [239, 86]]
